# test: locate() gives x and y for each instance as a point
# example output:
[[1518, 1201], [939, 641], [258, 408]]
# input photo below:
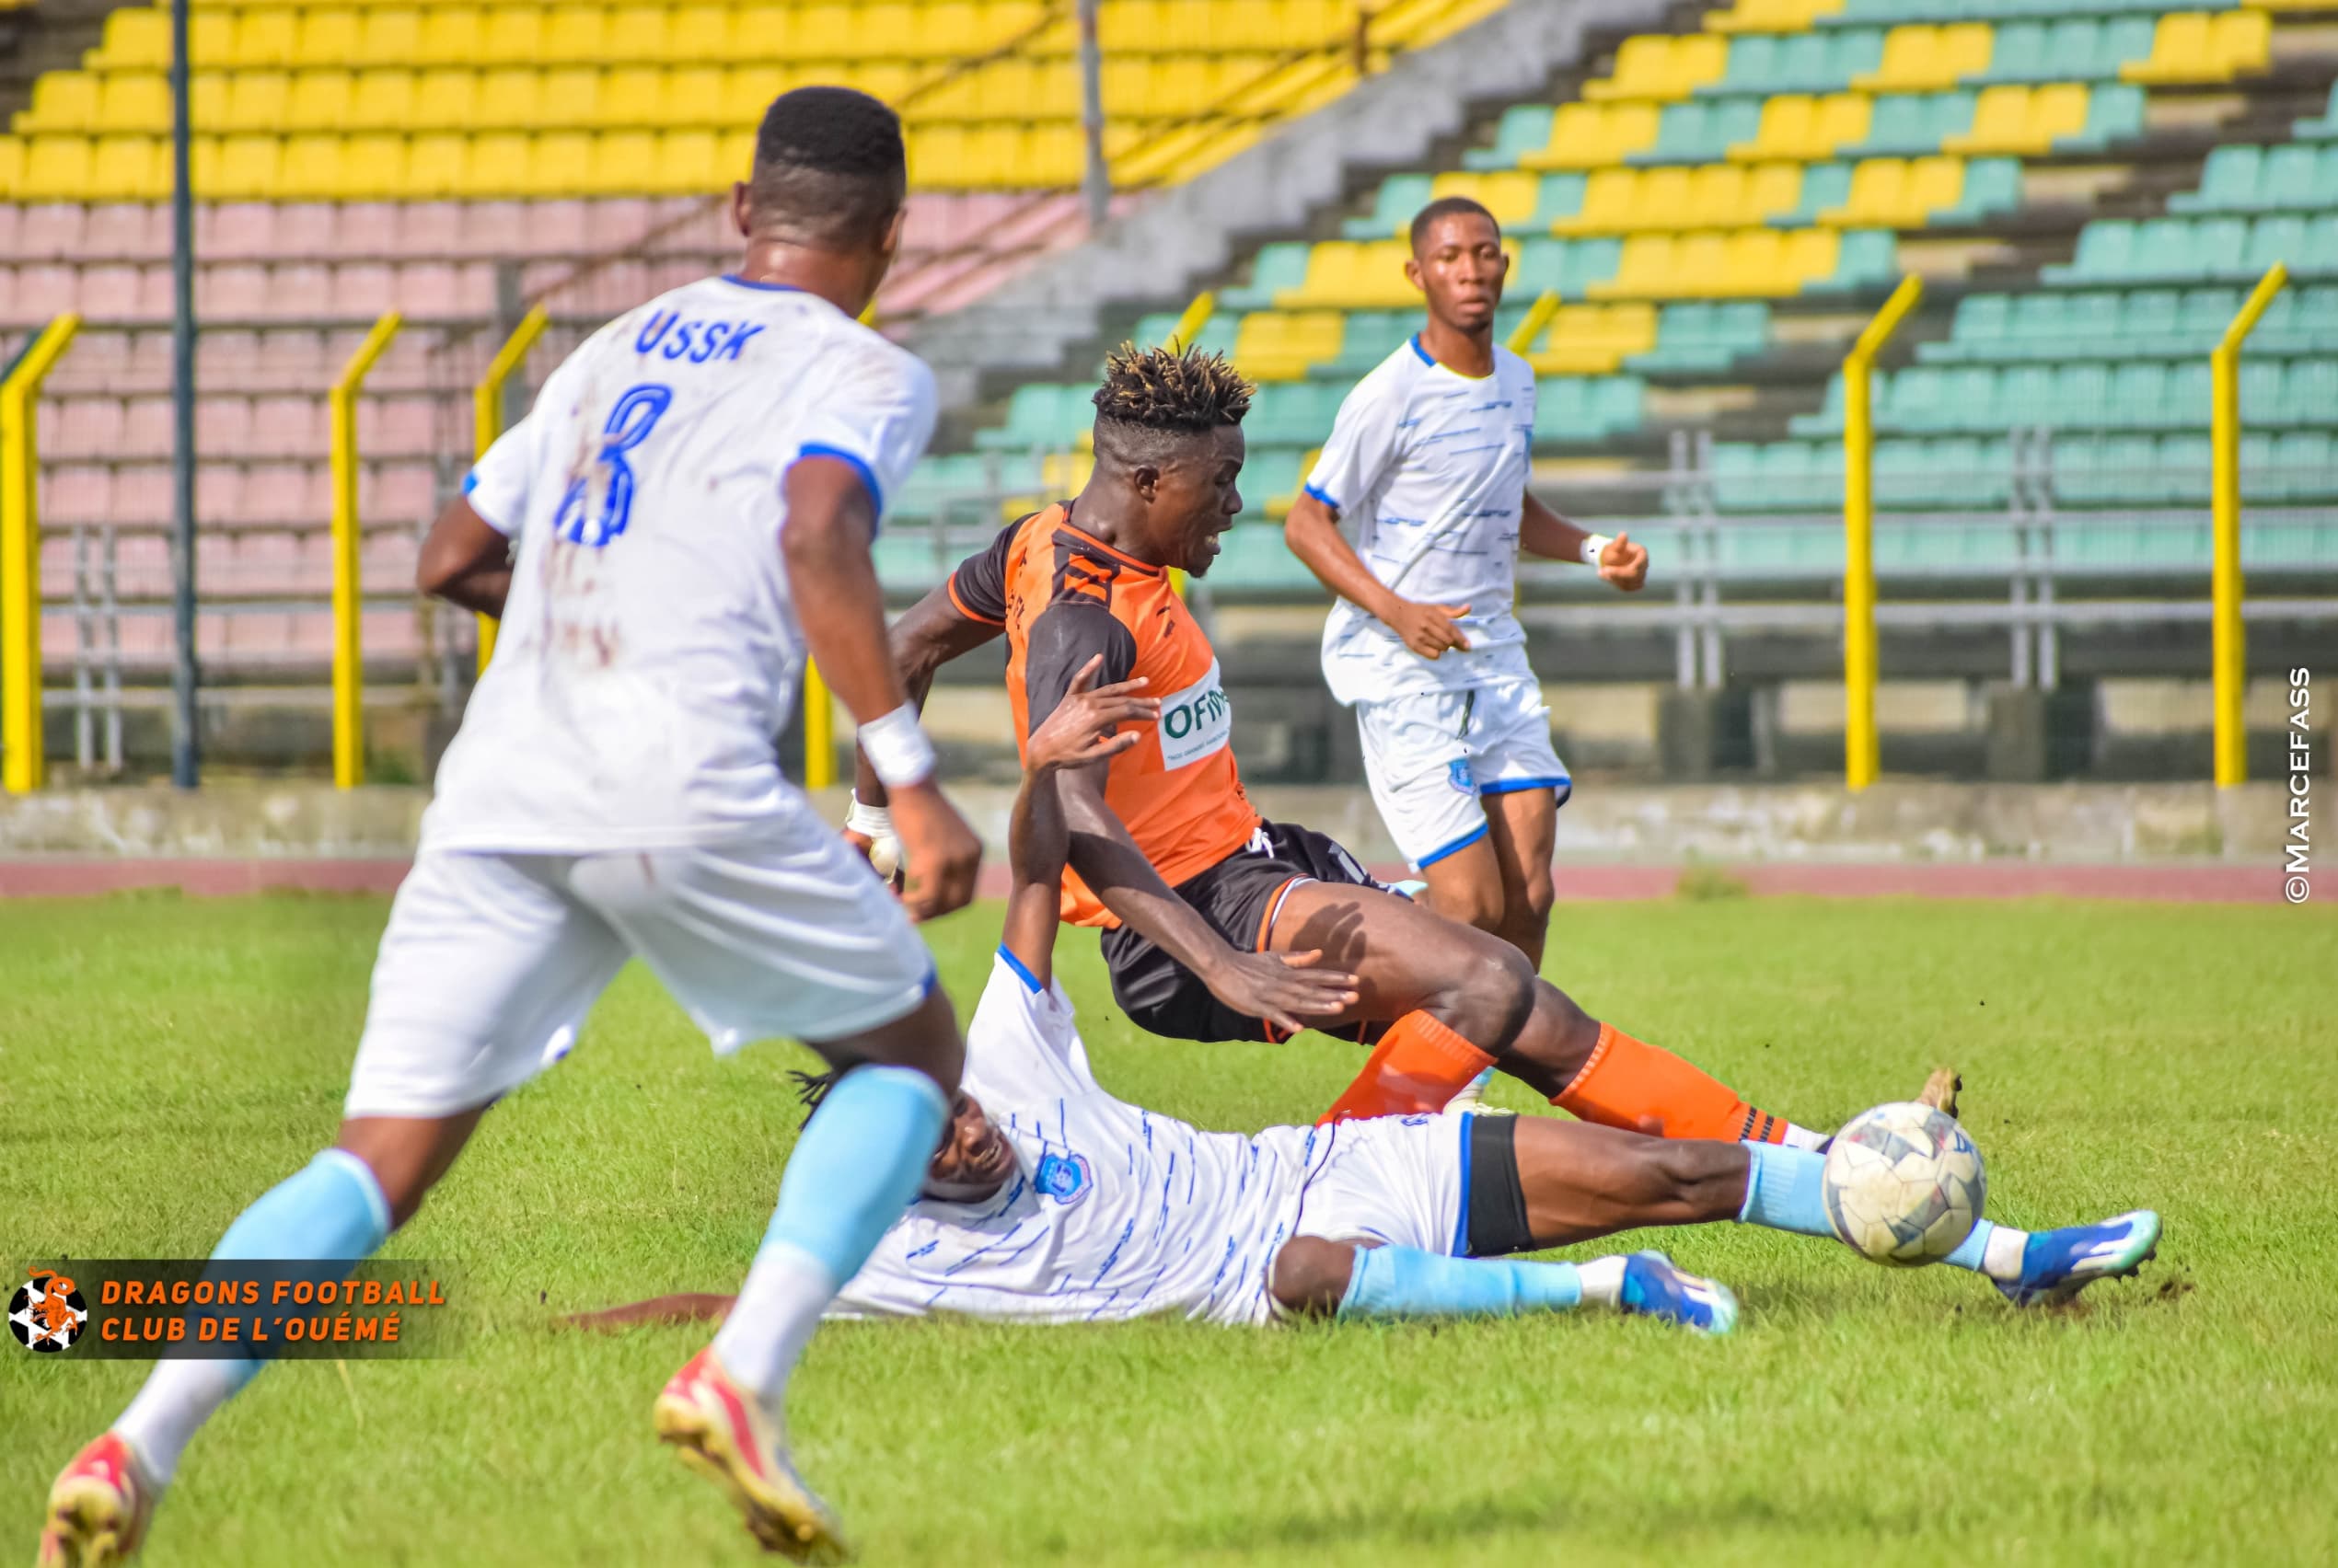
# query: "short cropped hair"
[[1151, 398], [1446, 207], [829, 170]]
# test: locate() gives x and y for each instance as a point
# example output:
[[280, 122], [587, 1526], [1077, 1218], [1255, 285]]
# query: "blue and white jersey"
[[1427, 470], [1115, 1212], [649, 654]]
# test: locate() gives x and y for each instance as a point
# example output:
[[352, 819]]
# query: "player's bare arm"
[[1312, 533], [1082, 733], [465, 562], [830, 523], [1544, 532], [930, 635]]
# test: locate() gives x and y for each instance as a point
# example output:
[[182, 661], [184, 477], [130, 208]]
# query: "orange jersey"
[[1065, 597]]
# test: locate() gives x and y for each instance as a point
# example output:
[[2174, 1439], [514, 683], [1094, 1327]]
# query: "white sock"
[[1802, 1137], [176, 1398], [1603, 1281], [2001, 1259], [778, 1308]]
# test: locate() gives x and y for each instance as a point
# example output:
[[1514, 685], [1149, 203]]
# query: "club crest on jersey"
[[1458, 773], [1196, 721], [1064, 1177]]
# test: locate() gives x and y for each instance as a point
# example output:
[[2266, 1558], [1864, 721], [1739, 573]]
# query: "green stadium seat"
[[1702, 336], [1560, 196], [2114, 113], [1992, 187], [1278, 267], [1255, 560], [1523, 128], [2322, 127], [1824, 187], [1702, 132], [1867, 258], [1587, 408], [1911, 124], [1041, 415], [1401, 195]]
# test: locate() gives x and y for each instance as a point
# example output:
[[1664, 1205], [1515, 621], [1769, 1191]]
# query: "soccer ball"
[[1903, 1184]]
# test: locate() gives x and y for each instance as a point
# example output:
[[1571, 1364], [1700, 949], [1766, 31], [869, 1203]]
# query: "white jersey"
[[1114, 1211], [1427, 470], [649, 654]]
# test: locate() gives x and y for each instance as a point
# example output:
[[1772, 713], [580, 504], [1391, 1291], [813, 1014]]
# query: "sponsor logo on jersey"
[[1066, 1178], [1197, 721]]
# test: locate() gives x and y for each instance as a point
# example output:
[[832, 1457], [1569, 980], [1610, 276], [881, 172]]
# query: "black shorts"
[[1238, 896]]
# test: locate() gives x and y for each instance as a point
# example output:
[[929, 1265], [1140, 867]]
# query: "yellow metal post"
[[2228, 645], [1196, 317], [1862, 755], [819, 730], [20, 742], [1538, 315], [487, 421], [348, 732]]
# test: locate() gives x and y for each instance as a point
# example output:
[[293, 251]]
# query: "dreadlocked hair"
[[812, 1089], [1172, 388]]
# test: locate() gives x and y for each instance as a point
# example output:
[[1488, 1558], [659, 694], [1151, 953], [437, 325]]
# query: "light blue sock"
[[1784, 1192], [1405, 1282], [855, 1170], [331, 1209]]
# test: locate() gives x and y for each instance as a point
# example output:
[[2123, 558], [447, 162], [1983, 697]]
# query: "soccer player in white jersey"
[[1052, 1200], [1415, 515], [685, 514]]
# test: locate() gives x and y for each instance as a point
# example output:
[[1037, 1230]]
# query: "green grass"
[[162, 1062]]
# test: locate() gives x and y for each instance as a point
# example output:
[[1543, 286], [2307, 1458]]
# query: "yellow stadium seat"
[[1772, 190], [265, 37], [684, 163], [514, 35], [1590, 135], [437, 164], [632, 95], [56, 168], [498, 165], [61, 101], [624, 163], [512, 97], [734, 154], [2194, 46], [1509, 194], [1593, 340], [209, 91], [211, 40], [256, 102], [327, 38], [694, 96], [391, 35], [2022, 119], [699, 33], [637, 33], [1877, 196], [1934, 184], [382, 101], [137, 102], [1275, 345], [316, 100], [11, 164], [130, 168], [948, 31], [309, 169], [1797, 128], [1659, 68], [563, 163], [748, 91], [442, 100], [1610, 197], [1771, 16], [1929, 59], [247, 169], [573, 35], [569, 96], [452, 35], [135, 39], [374, 166]]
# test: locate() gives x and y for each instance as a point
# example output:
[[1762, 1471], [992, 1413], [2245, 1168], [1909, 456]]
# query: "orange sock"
[[1630, 1084], [1418, 1064]]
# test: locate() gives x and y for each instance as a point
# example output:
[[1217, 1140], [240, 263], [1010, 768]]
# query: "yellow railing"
[[1862, 755], [349, 676], [2228, 646], [21, 739], [1538, 315], [1196, 317], [487, 422]]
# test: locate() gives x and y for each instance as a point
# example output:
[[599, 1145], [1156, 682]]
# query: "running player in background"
[[1415, 515], [1052, 1200], [1215, 921], [685, 513]]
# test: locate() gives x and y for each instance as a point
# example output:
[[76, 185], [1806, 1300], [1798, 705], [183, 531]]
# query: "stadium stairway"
[[1721, 201]]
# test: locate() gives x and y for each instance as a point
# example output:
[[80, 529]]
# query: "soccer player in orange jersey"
[[1218, 925]]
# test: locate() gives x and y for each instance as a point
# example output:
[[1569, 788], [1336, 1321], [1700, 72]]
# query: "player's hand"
[[1284, 989], [1428, 630], [869, 830], [940, 853], [1624, 563], [1082, 728]]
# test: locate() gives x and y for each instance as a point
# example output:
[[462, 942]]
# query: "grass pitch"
[[162, 1062]]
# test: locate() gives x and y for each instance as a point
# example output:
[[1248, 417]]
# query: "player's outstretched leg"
[[1316, 1277], [855, 1170], [336, 1209]]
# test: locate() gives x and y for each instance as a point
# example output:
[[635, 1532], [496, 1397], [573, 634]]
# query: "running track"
[[2192, 883]]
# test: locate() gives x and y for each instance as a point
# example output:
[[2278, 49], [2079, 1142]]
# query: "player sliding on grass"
[[686, 512], [1051, 1200], [1213, 918]]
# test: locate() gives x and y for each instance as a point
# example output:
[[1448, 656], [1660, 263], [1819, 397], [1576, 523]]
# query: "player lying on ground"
[[1211, 916], [685, 512], [1415, 515], [1051, 1200]]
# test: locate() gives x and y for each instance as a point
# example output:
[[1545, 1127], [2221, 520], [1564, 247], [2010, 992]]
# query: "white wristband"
[[869, 821], [896, 748], [1592, 545]]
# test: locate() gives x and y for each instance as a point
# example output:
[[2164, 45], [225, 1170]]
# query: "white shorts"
[[1396, 1180], [492, 961], [1431, 759]]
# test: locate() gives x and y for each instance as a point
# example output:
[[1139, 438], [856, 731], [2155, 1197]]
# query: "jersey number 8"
[[629, 425]]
